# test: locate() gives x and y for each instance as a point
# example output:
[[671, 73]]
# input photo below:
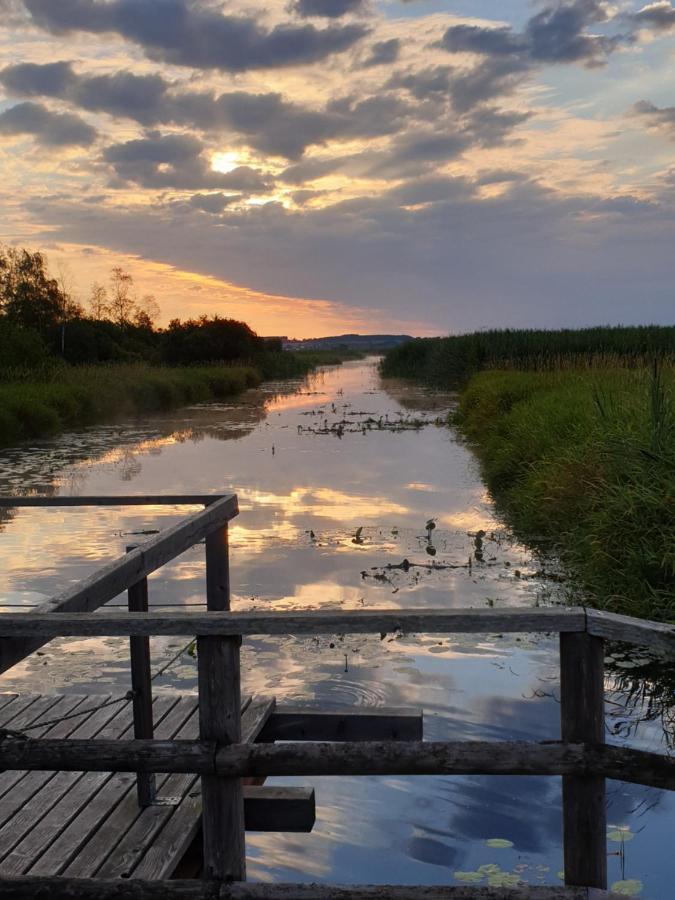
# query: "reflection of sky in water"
[[295, 546]]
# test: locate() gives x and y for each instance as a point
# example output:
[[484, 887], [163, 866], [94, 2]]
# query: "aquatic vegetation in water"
[[631, 887]]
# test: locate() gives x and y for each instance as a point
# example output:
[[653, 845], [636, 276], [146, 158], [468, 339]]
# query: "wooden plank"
[[6, 699], [115, 500], [582, 717], [183, 824], [361, 621], [116, 577], [632, 766], [300, 758], [92, 834], [17, 787], [27, 709], [279, 808], [613, 627], [306, 723], [61, 801], [123, 889], [219, 681]]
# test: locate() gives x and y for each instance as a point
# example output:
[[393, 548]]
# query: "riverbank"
[[34, 405], [586, 460]]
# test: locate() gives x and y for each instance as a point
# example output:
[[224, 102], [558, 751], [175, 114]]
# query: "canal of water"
[[339, 477]]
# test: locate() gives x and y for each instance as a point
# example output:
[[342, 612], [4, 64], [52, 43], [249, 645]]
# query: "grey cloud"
[[412, 154], [383, 53], [309, 170], [493, 77], [49, 128], [431, 190], [424, 83], [270, 123], [660, 118], [177, 161], [330, 9], [557, 34], [185, 34], [658, 16], [212, 203], [34, 79], [490, 127]]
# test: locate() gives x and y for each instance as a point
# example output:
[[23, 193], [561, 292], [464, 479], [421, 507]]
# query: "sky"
[[322, 166]]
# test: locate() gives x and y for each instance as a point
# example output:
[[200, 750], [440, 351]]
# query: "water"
[[325, 509]]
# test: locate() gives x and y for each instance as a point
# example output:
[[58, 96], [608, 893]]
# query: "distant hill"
[[375, 342]]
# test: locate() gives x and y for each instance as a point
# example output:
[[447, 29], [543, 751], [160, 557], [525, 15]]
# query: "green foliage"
[[586, 458], [72, 397], [450, 361]]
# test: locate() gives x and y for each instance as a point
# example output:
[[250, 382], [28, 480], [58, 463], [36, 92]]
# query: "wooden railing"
[[581, 757]]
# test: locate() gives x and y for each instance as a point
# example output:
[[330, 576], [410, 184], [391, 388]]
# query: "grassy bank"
[[56, 398], [586, 458], [450, 361]]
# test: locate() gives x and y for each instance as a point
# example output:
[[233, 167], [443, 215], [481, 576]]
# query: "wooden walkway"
[[90, 824]]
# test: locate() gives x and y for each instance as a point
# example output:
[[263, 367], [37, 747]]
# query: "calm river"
[[325, 509]]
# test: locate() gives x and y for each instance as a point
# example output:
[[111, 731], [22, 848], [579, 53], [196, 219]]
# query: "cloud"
[[658, 16], [270, 123], [178, 161], [49, 128], [423, 83], [557, 34], [330, 9], [184, 34], [383, 53], [658, 118]]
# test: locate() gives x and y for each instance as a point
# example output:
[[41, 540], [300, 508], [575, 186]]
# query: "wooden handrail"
[[28, 888], [112, 500], [432, 621]]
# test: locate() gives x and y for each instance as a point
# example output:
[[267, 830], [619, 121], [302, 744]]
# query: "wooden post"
[[220, 720], [582, 721], [141, 685]]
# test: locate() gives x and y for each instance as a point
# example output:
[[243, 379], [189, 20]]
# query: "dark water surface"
[[325, 508]]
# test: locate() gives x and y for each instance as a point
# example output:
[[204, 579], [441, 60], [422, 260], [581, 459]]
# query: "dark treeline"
[[451, 361], [40, 322]]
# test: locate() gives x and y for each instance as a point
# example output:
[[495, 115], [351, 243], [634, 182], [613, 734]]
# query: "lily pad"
[[631, 887], [468, 877], [620, 835], [499, 843]]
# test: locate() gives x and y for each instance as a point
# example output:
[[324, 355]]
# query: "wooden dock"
[[137, 797]]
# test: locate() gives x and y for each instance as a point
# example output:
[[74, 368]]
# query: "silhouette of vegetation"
[[61, 366]]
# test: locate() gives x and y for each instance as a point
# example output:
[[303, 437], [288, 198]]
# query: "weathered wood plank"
[[93, 835], [361, 621], [123, 889], [219, 682], [116, 577], [17, 787], [183, 824], [115, 500], [279, 808], [306, 723], [613, 627], [61, 800], [582, 717]]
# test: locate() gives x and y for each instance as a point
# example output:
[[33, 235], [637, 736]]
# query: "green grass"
[[72, 397], [586, 458], [450, 361]]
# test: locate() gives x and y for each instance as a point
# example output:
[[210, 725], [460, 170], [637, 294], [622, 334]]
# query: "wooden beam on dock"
[[375, 723], [113, 500], [349, 758], [363, 621], [135, 889]]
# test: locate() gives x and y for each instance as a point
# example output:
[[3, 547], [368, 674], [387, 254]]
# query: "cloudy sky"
[[319, 166]]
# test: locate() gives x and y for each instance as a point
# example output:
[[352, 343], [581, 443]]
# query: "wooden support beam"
[[111, 500], [583, 720], [220, 720], [362, 621], [278, 808], [27, 888], [141, 686], [305, 723]]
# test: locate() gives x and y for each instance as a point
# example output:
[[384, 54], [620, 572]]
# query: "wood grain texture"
[[582, 718], [614, 627], [114, 500], [132, 889], [431, 621]]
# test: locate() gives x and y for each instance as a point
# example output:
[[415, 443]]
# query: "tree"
[[122, 303], [147, 312], [29, 298], [98, 301]]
